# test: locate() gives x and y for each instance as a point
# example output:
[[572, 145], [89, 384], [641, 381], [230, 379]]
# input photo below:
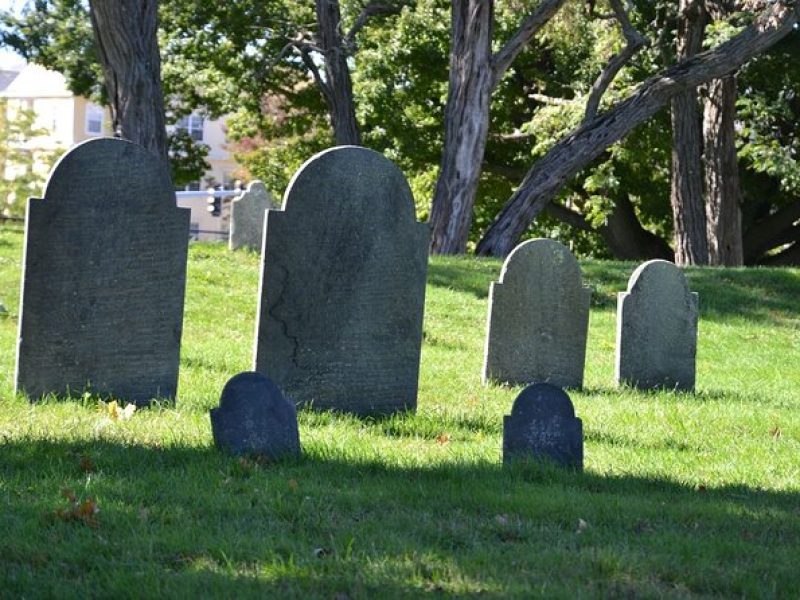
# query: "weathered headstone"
[[343, 286], [542, 424], [104, 278], [254, 417], [538, 318], [247, 217], [657, 329]]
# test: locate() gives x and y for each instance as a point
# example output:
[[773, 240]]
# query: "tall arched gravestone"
[[657, 329], [103, 277], [343, 286], [247, 217], [538, 318]]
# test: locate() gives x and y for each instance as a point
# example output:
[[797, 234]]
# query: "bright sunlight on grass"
[[683, 494]]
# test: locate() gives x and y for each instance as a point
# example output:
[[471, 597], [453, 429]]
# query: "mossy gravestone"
[[247, 217], [538, 318], [657, 329], [542, 425], [255, 418], [103, 278], [343, 286]]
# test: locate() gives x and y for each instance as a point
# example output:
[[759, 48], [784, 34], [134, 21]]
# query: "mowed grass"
[[683, 495]]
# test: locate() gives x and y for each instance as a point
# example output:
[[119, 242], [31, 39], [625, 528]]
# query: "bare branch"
[[371, 9], [552, 101], [304, 50], [635, 42], [502, 60]]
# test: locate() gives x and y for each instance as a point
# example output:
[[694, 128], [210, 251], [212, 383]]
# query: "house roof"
[[34, 81], [6, 77]]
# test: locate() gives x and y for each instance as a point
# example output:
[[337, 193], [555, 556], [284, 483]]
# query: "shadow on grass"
[[327, 524]]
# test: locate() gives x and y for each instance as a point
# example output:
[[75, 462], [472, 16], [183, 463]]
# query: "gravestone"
[[247, 217], [538, 318], [255, 418], [657, 329], [343, 286], [103, 278], [542, 424]]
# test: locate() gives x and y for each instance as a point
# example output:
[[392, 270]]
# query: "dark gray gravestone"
[[542, 424], [247, 217], [538, 318], [104, 277], [343, 286], [657, 329], [255, 418]]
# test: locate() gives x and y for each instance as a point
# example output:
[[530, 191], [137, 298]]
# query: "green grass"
[[683, 495]]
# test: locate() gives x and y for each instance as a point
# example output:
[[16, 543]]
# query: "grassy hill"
[[683, 494]]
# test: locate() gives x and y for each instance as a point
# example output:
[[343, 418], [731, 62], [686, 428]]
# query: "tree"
[[548, 175], [125, 33], [686, 197], [474, 73], [19, 159]]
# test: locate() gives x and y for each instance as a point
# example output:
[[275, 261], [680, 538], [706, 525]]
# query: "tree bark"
[[466, 125], [474, 73], [127, 45], [686, 196], [584, 144], [723, 193], [337, 88]]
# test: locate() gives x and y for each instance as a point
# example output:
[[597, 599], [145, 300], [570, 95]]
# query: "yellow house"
[[71, 119]]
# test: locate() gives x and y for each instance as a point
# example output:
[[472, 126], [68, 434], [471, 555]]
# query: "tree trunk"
[[338, 86], [581, 146], [723, 193], [127, 46], [686, 195], [474, 73], [466, 125]]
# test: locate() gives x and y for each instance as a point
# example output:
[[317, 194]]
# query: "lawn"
[[683, 495]]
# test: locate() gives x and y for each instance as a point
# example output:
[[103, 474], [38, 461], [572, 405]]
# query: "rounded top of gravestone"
[[533, 258], [542, 401], [353, 176], [138, 170], [255, 186], [655, 275], [246, 386]]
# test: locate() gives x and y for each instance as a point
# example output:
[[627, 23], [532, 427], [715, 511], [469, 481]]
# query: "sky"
[[8, 59]]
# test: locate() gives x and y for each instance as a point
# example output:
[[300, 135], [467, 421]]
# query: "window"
[[193, 125], [94, 119]]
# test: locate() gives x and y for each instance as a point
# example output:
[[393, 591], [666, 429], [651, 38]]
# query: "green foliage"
[[25, 165], [187, 158]]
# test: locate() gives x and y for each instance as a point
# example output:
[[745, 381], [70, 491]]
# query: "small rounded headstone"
[[542, 425], [254, 417]]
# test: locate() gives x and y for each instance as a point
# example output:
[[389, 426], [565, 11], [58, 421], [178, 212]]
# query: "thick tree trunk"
[[466, 125], [723, 194], [580, 147], [338, 85], [686, 195], [125, 32]]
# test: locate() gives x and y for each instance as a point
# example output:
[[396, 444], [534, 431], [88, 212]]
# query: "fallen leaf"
[[86, 464], [293, 485], [117, 413], [83, 511], [442, 439], [775, 432], [582, 526]]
